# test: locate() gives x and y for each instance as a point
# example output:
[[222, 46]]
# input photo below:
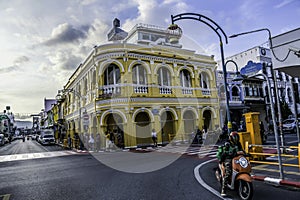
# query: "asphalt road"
[[261, 190], [29, 146], [84, 177], [112, 175]]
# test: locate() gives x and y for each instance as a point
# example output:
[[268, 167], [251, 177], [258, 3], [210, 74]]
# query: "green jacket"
[[228, 151]]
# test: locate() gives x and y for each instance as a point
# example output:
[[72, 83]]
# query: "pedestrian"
[[86, 140], [69, 141], [97, 143], [91, 142], [76, 140], [262, 132], [198, 135], [154, 137], [112, 138], [107, 141]]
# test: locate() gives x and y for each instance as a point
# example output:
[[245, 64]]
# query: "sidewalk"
[[273, 177], [271, 173]]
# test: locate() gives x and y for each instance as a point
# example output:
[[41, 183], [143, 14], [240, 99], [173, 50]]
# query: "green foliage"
[[285, 110]]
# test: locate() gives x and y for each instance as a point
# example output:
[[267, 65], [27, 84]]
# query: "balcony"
[[206, 92], [111, 89], [165, 90], [187, 91], [140, 89], [125, 90]]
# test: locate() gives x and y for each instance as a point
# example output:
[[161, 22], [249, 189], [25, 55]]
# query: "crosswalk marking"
[[5, 196], [209, 151], [189, 151], [29, 156]]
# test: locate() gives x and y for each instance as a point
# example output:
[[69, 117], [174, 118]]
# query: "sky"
[[42, 42]]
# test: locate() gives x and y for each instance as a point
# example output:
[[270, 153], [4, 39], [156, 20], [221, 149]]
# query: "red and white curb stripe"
[[276, 181]]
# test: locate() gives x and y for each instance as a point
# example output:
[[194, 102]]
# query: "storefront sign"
[[251, 68]]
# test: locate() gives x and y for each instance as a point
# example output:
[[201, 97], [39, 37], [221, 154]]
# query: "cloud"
[[64, 60], [283, 3], [66, 33], [9, 69], [16, 66], [21, 60]]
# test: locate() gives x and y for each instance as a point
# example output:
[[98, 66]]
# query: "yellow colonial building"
[[139, 81]]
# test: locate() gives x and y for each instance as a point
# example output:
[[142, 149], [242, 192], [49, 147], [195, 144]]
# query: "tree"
[[285, 110]]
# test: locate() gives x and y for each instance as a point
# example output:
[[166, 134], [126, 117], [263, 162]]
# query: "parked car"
[[289, 125], [33, 137], [46, 137], [2, 141]]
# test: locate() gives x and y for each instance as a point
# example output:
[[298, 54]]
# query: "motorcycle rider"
[[225, 155]]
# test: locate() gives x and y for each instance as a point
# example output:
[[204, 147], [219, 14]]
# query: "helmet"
[[234, 137]]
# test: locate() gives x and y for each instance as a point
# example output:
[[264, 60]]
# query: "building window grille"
[[112, 78], [164, 81], [185, 82], [204, 80]]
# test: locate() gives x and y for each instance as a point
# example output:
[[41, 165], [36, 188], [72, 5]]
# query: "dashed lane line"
[[28, 156]]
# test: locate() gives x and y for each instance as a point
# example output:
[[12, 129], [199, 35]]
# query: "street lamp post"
[[219, 31], [274, 123], [80, 108], [273, 74]]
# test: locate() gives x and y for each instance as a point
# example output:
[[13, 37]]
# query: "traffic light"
[[264, 68], [35, 124]]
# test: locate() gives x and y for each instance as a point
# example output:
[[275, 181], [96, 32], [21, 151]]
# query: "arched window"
[[289, 93], [235, 91], [112, 75], [222, 92], [139, 75], [94, 79], [185, 78], [112, 78], [247, 93], [85, 86], [204, 80], [164, 77]]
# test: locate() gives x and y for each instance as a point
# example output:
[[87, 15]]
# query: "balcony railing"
[[165, 90], [140, 89], [108, 91], [206, 92], [187, 91], [235, 98], [111, 89]]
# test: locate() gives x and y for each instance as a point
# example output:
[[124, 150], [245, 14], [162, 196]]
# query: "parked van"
[[46, 137], [2, 140]]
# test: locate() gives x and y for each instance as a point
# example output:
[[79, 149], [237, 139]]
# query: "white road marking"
[[201, 181], [29, 156]]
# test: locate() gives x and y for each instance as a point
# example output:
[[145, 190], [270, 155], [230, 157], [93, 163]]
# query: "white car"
[[2, 140], [47, 139], [289, 125]]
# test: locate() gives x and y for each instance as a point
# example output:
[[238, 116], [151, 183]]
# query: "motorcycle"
[[240, 179]]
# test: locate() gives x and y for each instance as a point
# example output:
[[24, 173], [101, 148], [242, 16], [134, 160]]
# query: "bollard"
[[247, 147], [299, 156]]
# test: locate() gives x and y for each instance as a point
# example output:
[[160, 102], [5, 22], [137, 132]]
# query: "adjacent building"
[[251, 94]]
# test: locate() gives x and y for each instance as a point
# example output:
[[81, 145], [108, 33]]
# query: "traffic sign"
[[86, 119]]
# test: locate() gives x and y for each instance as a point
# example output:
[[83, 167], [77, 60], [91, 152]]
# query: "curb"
[[276, 181]]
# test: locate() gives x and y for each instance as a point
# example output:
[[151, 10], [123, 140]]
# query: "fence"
[[285, 157]]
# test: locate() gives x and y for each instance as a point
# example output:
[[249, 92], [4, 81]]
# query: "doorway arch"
[[207, 119], [189, 121], [167, 122], [143, 129], [114, 125]]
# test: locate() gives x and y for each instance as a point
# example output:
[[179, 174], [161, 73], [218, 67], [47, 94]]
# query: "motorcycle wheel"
[[245, 190]]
